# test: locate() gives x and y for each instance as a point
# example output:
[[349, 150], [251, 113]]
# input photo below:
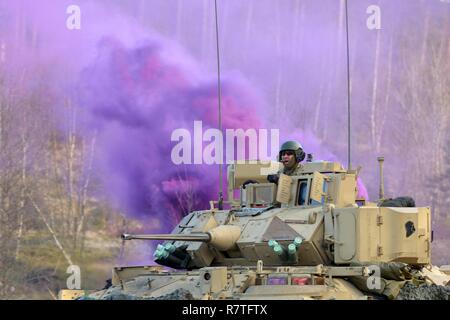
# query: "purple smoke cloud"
[[134, 87], [135, 98]]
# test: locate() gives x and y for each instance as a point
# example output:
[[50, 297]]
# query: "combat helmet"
[[293, 146]]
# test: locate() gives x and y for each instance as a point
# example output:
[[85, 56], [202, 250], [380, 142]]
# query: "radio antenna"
[[349, 165], [219, 91]]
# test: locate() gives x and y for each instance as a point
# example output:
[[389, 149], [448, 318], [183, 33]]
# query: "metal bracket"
[[379, 220], [379, 250]]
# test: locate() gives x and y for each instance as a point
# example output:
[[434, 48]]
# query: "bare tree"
[[425, 104]]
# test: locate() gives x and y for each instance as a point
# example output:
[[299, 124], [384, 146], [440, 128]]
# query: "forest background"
[[86, 115]]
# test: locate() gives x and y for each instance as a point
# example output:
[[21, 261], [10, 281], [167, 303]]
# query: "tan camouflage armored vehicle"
[[308, 237]]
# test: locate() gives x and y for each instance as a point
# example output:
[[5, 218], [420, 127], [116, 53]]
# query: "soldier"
[[291, 154]]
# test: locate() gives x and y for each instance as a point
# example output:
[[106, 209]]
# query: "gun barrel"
[[200, 237]]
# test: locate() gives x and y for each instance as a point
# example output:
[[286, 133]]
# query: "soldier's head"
[[291, 153]]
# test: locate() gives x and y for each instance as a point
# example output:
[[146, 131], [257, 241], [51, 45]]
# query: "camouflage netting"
[[179, 294], [423, 292], [398, 202], [400, 282]]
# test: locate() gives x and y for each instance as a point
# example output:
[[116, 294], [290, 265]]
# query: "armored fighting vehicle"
[[306, 237]]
